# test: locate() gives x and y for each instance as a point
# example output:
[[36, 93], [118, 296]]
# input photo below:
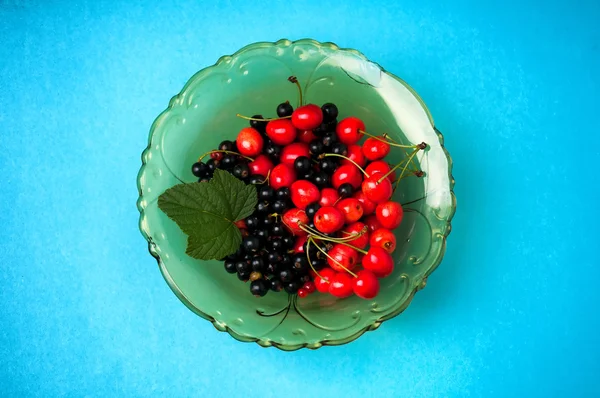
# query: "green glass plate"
[[254, 81]]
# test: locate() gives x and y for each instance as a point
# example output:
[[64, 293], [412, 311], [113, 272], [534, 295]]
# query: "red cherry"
[[389, 214], [356, 229], [307, 117], [292, 151], [367, 204], [348, 130], [309, 287], [261, 165], [341, 285], [351, 208], [383, 238], [375, 190], [375, 149], [282, 175], [216, 155], [302, 292], [281, 131], [292, 218], [249, 142], [355, 153], [299, 245], [322, 283], [329, 197], [306, 136], [347, 173], [366, 284], [373, 223], [304, 193], [342, 258], [381, 166], [379, 261], [328, 219]]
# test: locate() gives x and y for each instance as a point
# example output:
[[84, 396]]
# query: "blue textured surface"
[[512, 311]]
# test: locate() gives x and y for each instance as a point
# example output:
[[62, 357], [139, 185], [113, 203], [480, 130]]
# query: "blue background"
[[512, 311]]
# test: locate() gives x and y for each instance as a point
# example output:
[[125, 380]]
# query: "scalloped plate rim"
[[152, 247]]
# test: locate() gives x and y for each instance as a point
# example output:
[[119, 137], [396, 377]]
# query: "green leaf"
[[206, 212]]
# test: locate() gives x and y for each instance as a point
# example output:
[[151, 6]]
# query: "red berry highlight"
[[341, 285], [389, 214], [342, 258], [290, 152], [351, 208], [348, 130], [249, 142], [383, 238], [292, 218], [304, 193], [328, 220], [375, 149], [307, 117], [378, 261], [282, 175], [365, 285], [261, 165], [281, 131]]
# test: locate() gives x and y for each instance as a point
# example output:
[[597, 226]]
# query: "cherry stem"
[[412, 160], [325, 155], [224, 151], [407, 161], [331, 258], [265, 119], [294, 79], [310, 261], [387, 141], [314, 233]]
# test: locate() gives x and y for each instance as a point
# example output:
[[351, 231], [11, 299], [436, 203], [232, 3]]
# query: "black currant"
[[330, 112], [241, 171], [274, 258], [339, 148], [279, 206], [277, 229], [318, 263], [321, 179], [306, 176], [262, 234], [316, 147], [284, 109], [259, 288], [251, 244], [199, 169], [289, 241], [228, 161], [243, 267], [286, 275], [226, 145], [272, 151], [257, 179], [266, 193], [276, 285], [243, 276], [302, 164], [292, 287], [259, 125], [258, 264], [268, 221], [276, 245], [230, 266], [283, 193], [328, 165], [345, 190], [213, 164], [252, 222], [263, 206], [272, 268], [310, 210], [299, 261], [329, 139]]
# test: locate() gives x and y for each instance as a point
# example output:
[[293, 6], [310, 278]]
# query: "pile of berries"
[[325, 219]]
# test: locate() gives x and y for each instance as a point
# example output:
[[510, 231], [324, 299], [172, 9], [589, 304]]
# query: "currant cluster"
[[323, 198]]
